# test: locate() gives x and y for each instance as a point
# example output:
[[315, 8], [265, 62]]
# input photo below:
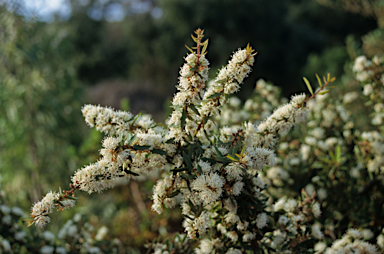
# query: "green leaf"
[[221, 81], [131, 140], [173, 194], [187, 161], [338, 153], [215, 95], [130, 172], [194, 38], [231, 158], [223, 159], [183, 117], [191, 106], [159, 151], [189, 49], [319, 80], [356, 150], [218, 151], [205, 119], [134, 119], [332, 155], [186, 176], [326, 160], [199, 170], [170, 141], [308, 85], [141, 148], [205, 47], [243, 151], [231, 150], [190, 150], [324, 92]]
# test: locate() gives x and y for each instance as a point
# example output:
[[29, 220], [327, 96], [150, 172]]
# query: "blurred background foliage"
[[127, 54]]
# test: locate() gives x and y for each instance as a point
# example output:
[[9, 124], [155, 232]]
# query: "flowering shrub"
[[238, 195]]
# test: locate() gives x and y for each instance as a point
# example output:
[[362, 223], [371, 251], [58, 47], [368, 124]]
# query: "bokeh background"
[[57, 55]]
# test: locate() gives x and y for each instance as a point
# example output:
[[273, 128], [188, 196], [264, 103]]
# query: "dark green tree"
[[40, 98]]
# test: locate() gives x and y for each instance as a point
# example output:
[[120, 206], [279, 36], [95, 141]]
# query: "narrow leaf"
[[222, 159], [308, 85], [218, 151], [186, 176], [141, 148], [130, 172], [173, 194], [324, 92], [199, 170], [338, 153], [191, 106], [319, 80], [189, 49], [170, 141], [332, 155], [215, 95], [172, 125], [221, 81], [194, 38], [205, 119], [205, 47], [131, 140], [231, 158], [242, 151], [159, 151], [183, 117], [179, 169], [187, 161]]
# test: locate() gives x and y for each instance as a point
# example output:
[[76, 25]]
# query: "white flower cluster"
[[294, 222], [282, 120], [371, 74], [351, 242], [374, 142], [227, 82], [193, 76], [107, 120], [43, 208]]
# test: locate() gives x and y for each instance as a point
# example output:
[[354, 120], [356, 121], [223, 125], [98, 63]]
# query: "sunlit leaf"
[[308, 85]]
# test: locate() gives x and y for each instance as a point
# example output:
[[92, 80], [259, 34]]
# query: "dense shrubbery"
[[236, 194]]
